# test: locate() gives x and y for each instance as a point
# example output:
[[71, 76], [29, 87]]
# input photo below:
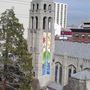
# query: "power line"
[[14, 2]]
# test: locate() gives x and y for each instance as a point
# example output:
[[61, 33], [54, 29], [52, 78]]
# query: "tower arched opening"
[[37, 6], [58, 72], [33, 6], [49, 22], [49, 7], [71, 70], [44, 6], [44, 22], [36, 22]]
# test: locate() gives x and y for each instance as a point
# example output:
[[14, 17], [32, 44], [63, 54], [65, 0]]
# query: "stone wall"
[[70, 62], [75, 84]]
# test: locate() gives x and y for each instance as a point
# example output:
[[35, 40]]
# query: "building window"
[[69, 73], [62, 10], [58, 14], [76, 35], [83, 36], [44, 7], [44, 22], [74, 71], [60, 75], [88, 35], [37, 6], [65, 14], [49, 23], [71, 70], [56, 72], [36, 22], [49, 7]]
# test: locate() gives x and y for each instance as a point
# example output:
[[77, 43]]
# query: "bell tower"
[[41, 39]]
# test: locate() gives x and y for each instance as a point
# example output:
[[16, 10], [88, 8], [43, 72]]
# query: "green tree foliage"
[[14, 47]]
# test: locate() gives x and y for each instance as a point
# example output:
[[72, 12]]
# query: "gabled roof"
[[83, 75]]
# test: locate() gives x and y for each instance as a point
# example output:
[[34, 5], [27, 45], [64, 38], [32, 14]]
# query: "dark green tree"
[[14, 47]]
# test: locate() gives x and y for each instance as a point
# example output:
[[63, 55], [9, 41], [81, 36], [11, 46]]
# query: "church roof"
[[83, 75], [75, 49], [54, 86]]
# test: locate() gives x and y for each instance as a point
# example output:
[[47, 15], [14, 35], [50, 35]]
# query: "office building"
[[60, 14]]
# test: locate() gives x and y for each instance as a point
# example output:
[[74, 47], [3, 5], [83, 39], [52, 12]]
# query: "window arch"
[[36, 22], [58, 72], [44, 23], [49, 22], [87, 68], [45, 6], [37, 6], [33, 6], [71, 70], [49, 7], [74, 71]]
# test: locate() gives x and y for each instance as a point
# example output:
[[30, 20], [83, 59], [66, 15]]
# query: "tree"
[[14, 47]]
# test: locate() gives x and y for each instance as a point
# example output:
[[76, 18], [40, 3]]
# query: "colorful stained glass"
[[46, 53]]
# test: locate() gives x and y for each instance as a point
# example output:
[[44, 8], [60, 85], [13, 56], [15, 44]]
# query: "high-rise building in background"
[[60, 14]]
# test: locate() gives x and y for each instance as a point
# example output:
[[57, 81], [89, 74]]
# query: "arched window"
[[33, 6], [69, 72], [74, 71], [49, 7], [60, 74], [49, 22], [32, 21], [56, 72], [44, 22], [44, 7], [37, 6], [36, 22]]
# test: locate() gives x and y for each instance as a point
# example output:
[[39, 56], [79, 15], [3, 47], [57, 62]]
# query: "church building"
[[41, 39], [53, 60]]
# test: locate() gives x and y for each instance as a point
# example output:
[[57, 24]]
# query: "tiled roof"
[[54, 86], [75, 49]]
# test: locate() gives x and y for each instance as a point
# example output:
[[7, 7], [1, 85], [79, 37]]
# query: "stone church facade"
[[53, 60], [70, 58]]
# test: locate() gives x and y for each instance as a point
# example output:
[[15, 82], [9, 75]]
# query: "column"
[[65, 71]]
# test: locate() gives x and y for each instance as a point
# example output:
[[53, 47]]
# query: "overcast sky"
[[78, 10]]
